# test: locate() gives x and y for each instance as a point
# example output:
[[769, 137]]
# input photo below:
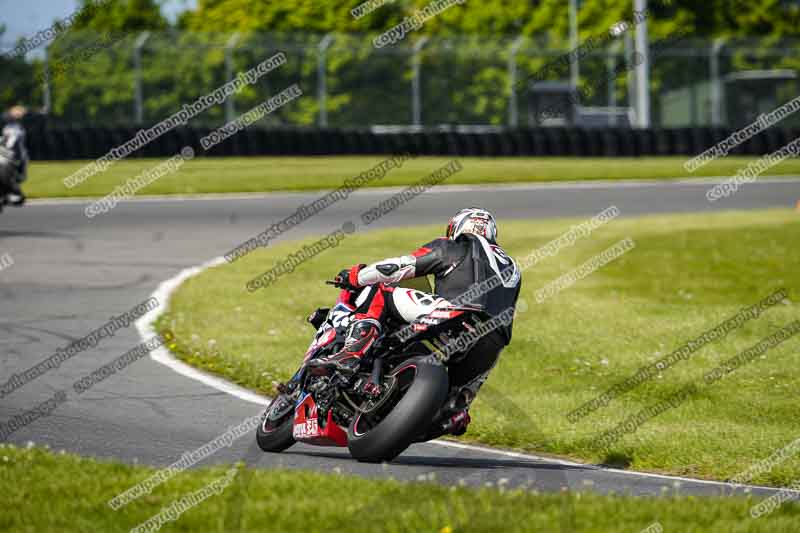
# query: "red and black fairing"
[[325, 407], [334, 326], [311, 428], [310, 424]]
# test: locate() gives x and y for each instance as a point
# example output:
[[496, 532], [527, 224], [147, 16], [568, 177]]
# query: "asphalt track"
[[71, 274]]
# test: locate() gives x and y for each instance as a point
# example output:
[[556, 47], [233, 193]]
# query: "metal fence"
[[418, 82]]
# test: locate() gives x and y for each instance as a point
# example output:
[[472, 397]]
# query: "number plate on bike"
[[307, 429]]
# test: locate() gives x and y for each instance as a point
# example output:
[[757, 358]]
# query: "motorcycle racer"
[[466, 258], [13, 156]]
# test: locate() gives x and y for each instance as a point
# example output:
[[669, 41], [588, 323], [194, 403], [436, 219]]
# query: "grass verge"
[[44, 491], [265, 174], [686, 275]]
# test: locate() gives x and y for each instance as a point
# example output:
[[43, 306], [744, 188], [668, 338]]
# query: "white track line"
[[440, 189], [551, 460], [146, 328]]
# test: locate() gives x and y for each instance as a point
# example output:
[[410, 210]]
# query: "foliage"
[[464, 65]]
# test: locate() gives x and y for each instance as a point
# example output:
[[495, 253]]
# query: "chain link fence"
[[455, 81]]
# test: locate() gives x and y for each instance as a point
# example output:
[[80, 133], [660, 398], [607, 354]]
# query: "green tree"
[[91, 64], [464, 65], [18, 86]]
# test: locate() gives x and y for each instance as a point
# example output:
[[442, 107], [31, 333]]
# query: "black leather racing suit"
[[463, 266], [13, 139], [467, 270]]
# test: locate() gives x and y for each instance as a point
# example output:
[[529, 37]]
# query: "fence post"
[[611, 67], [46, 96], [137, 65], [416, 99], [322, 90], [716, 87], [574, 65], [513, 113], [229, 108], [643, 69]]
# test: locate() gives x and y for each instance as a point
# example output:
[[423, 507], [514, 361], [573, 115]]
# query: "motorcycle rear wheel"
[[423, 384]]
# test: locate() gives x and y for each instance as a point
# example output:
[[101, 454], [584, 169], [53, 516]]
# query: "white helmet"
[[473, 220]]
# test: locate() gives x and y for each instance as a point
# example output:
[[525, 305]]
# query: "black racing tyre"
[[423, 384], [275, 434]]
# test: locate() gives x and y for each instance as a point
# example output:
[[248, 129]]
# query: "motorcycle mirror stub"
[[318, 317]]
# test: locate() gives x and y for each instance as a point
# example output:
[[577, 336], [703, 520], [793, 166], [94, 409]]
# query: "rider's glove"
[[348, 278]]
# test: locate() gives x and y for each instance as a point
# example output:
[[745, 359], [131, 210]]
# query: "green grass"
[[687, 274], [263, 174], [43, 491]]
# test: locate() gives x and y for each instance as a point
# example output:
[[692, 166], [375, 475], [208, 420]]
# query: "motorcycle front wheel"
[[274, 433]]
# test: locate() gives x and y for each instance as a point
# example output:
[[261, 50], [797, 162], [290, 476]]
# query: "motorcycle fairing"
[[310, 428], [339, 317]]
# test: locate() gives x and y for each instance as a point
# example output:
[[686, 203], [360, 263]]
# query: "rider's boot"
[[360, 337], [457, 424], [453, 418]]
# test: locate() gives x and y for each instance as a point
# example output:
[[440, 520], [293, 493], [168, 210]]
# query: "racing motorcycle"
[[10, 167], [396, 399]]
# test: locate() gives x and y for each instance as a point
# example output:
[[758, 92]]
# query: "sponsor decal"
[[309, 428]]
